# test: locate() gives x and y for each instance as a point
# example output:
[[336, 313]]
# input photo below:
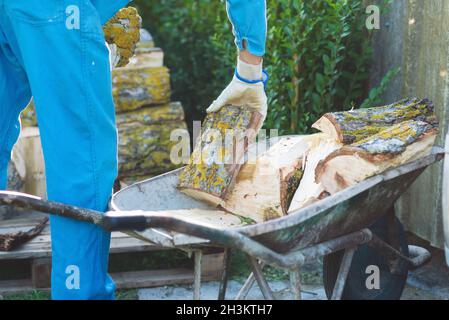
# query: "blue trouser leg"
[[14, 96], [68, 70]]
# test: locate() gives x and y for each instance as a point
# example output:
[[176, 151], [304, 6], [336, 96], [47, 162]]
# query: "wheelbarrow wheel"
[[389, 286]]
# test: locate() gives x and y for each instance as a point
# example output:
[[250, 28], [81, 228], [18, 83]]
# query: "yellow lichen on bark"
[[218, 153], [123, 30], [352, 126], [136, 87]]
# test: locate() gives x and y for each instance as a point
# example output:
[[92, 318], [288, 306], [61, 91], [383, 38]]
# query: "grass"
[[45, 295]]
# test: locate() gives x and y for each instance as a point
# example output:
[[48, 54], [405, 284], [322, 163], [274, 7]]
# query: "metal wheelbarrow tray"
[[338, 222]]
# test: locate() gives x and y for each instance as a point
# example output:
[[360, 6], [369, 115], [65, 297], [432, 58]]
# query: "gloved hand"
[[246, 88]]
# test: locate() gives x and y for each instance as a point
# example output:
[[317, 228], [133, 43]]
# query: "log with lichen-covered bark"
[[265, 187], [28, 116], [351, 126], [172, 111], [137, 87], [219, 152], [123, 32], [144, 139], [391, 147]]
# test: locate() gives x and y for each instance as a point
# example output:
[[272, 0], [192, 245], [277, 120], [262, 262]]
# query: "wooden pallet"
[[38, 251]]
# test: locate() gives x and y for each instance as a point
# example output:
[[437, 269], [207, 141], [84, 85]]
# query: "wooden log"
[[137, 87], [146, 41], [145, 149], [219, 152], [352, 126], [28, 116], [310, 190], [144, 139], [148, 58], [16, 175], [265, 188], [148, 115], [123, 31], [389, 148]]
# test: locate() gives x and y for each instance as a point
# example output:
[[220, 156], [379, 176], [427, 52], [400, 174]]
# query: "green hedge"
[[318, 56]]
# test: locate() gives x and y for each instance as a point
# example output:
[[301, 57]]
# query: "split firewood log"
[[389, 148], [219, 153], [352, 126], [139, 86], [122, 33], [264, 188], [310, 190]]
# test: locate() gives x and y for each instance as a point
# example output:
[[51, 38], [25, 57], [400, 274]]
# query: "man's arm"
[[248, 18]]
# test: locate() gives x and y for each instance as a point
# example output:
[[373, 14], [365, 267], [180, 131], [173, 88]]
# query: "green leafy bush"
[[318, 56]]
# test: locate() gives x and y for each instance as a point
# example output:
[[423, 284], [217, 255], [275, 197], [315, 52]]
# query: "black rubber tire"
[[391, 285]]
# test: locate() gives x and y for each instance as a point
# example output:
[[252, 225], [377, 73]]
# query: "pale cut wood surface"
[[261, 191]]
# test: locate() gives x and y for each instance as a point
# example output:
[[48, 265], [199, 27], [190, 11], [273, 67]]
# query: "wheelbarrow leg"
[[261, 281], [393, 240], [295, 283], [225, 274], [198, 256], [343, 274], [243, 293]]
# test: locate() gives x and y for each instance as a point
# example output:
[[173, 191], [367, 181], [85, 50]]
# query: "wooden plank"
[[156, 278], [40, 247], [212, 266], [41, 273]]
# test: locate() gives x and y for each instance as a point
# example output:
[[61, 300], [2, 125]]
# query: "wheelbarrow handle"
[[128, 221], [140, 220]]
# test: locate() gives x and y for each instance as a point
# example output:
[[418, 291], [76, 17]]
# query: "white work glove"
[[241, 93]]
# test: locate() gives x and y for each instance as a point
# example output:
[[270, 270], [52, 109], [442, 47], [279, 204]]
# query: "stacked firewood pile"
[[298, 171], [145, 115]]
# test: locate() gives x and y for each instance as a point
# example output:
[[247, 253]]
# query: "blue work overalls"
[[55, 52]]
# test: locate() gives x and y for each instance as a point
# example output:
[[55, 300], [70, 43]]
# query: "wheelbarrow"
[[355, 230]]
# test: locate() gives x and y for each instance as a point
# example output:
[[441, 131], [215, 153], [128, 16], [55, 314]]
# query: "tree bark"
[[137, 87], [389, 148], [348, 127], [123, 31], [219, 152], [144, 139]]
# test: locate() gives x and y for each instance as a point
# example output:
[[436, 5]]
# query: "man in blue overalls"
[[55, 52]]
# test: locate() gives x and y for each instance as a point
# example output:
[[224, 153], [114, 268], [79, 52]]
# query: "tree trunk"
[[352, 126], [219, 152]]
